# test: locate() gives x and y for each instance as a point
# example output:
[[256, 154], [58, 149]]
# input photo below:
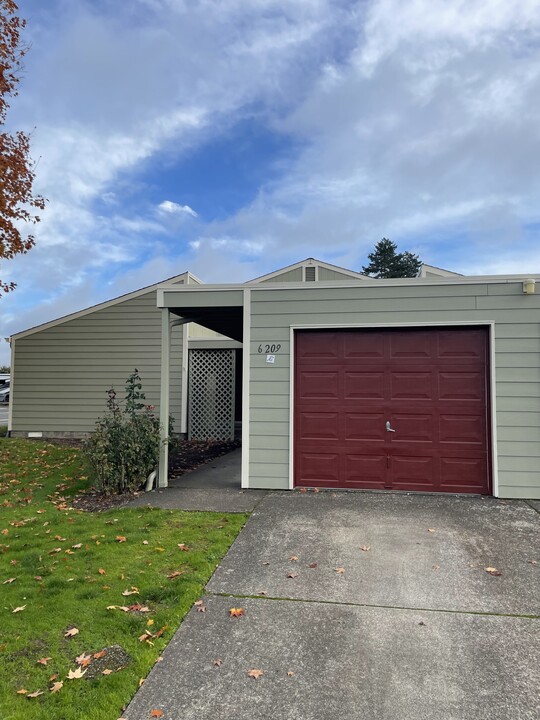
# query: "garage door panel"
[[462, 386], [365, 426], [416, 428], [461, 429], [363, 385], [363, 345], [367, 472], [411, 386], [318, 385], [319, 426], [418, 345], [319, 469], [430, 384], [459, 474]]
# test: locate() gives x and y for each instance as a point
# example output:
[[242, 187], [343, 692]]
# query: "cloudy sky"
[[232, 137]]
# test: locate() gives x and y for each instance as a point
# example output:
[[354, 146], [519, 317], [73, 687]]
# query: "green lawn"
[[69, 567]]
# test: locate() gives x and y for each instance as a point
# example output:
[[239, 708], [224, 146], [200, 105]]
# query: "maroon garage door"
[[392, 409]]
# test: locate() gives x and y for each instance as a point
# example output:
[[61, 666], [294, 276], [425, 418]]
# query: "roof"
[[107, 303], [309, 261]]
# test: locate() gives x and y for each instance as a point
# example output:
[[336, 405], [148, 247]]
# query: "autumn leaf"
[[99, 654], [56, 687], [236, 612], [121, 538], [198, 602], [201, 608], [160, 633], [9, 581], [431, 530], [19, 609], [312, 565], [533, 562], [106, 672], [55, 550], [35, 694], [292, 575], [340, 570], [71, 632], [217, 662], [145, 542], [59, 538], [365, 548], [133, 591], [290, 673], [83, 659], [77, 546], [44, 660], [76, 674], [176, 573], [183, 547], [156, 713], [493, 571], [255, 674], [101, 571], [293, 558], [22, 691]]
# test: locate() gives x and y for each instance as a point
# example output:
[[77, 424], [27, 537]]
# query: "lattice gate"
[[211, 394]]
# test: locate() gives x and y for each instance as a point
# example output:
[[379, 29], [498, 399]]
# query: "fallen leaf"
[[533, 562], [145, 542], [160, 632], [198, 602], [76, 674], [19, 609], [141, 680], [292, 575], [121, 538], [71, 632], [340, 570], [83, 659], [217, 662], [302, 490], [59, 538], [262, 592], [236, 612], [69, 552], [156, 713], [99, 654], [9, 581], [106, 672], [421, 622], [435, 567], [35, 694], [133, 591], [53, 677], [256, 674], [431, 530], [265, 562], [312, 565], [293, 558], [493, 571], [183, 547], [52, 552], [44, 660], [159, 549], [365, 548], [77, 546], [150, 622], [176, 573], [101, 571], [22, 691], [56, 687], [147, 634], [290, 673]]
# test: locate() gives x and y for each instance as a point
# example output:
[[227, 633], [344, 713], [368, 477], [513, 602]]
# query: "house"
[[427, 384]]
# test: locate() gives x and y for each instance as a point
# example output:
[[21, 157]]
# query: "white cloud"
[[171, 208]]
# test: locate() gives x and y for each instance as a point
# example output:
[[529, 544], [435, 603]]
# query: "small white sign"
[[271, 359]]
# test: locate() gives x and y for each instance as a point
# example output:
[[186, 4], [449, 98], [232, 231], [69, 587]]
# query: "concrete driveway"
[[357, 605]]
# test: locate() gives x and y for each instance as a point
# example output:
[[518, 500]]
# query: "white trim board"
[[372, 326], [246, 370]]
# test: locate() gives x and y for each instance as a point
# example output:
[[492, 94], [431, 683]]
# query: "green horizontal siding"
[[517, 362]]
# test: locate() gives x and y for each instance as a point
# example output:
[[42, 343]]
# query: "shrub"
[[124, 448]]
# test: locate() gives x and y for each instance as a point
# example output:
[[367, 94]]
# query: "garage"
[[393, 409]]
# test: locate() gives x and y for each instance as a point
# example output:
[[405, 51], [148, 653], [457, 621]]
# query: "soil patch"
[[184, 456]]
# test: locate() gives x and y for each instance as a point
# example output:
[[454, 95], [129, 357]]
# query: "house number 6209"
[[269, 349]]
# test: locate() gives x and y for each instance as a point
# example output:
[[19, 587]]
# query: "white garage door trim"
[[455, 323]]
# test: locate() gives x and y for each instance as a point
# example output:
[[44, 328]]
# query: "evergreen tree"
[[386, 262]]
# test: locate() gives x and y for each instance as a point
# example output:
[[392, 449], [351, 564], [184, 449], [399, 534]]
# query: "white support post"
[[164, 398]]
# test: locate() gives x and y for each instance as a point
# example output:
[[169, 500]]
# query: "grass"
[[61, 586]]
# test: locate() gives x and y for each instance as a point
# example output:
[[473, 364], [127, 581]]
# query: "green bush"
[[124, 448]]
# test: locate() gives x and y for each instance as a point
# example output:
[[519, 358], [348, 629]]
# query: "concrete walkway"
[[214, 486], [371, 606]]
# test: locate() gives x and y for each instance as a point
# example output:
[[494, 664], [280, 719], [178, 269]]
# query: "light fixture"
[[528, 286]]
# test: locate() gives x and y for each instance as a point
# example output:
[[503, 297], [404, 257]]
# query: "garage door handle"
[[388, 428]]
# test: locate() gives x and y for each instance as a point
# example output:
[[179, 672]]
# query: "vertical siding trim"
[[457, 323], [163, 477], [184, 398], [11, 386], [493, 401], [246, 368]]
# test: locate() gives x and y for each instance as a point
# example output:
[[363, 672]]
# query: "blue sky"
[[232, 138]]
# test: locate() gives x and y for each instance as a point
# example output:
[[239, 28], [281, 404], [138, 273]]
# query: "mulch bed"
[[184, 456]]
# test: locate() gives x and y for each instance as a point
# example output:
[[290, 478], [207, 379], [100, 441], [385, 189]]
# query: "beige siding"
[[294, 275], [517, 360], [200, 332], [61, 373], [328, 274]]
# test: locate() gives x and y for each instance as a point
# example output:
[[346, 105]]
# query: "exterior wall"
[[516, 351], [61, 373], [327, 274], [294, 275]]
